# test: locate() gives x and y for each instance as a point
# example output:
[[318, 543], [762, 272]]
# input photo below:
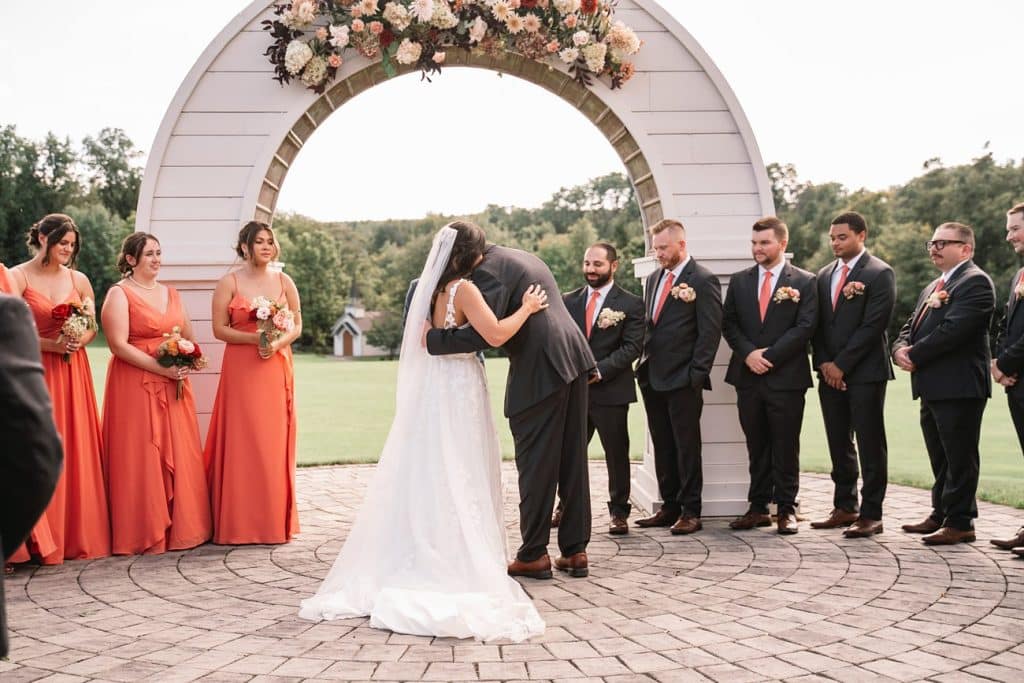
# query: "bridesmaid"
[[76, 524], [5, 284], [153, 459], [250, 448]]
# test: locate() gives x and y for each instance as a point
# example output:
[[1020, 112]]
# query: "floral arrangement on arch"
[[580, 33]]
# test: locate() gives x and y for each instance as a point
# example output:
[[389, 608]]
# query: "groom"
[[546, 407]]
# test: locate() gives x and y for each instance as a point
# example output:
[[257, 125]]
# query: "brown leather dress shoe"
[[687, 524], [659, 518], [750, 520], [618, 526], [836, 519], [947, 535], [1019, 552], [863, 528], [787, 523], [556, 518], [1010, 543], [575, 565], [928, 526], [538, 569]]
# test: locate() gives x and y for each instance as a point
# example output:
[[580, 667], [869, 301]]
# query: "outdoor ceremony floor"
[[718, 605]]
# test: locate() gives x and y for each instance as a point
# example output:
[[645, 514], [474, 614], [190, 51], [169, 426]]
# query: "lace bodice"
[[449, 311]]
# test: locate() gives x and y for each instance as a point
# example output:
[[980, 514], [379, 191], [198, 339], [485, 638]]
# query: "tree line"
[[97, 183]]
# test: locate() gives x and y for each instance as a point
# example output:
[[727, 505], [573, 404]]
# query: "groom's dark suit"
[[1010, 355], [545, 398]]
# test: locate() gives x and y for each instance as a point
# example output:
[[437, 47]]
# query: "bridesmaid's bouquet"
[[174, 350], [273, 319], [77, 318]]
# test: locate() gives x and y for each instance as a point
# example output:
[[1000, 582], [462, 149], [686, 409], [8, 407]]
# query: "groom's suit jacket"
[[1010, 343], [548, 352]]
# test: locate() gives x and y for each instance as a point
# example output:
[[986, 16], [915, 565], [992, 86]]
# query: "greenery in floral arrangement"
[[311, 36]]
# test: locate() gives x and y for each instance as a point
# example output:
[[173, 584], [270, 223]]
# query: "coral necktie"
[[665, 289], [839, 289], [591, 306], [766, 293]]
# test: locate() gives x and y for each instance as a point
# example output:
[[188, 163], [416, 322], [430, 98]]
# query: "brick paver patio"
[[719, 605]]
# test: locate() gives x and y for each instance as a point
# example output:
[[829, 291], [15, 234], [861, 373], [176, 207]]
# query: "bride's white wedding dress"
[[427, 552]]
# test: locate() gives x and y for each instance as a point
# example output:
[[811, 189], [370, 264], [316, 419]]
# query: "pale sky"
[[860, 93]]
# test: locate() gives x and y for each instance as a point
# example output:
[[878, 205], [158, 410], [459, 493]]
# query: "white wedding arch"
[[231, 133]]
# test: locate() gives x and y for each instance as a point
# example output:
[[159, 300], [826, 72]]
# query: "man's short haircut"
[[964, 233], [856, 221], [1019, 208], [774, 224], [666, 224], [609, 251]]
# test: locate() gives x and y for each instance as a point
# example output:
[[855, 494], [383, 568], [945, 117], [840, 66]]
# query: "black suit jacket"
[[548, 352], [680, 348], [784, 334], [31, 455], [615, 348], [1010, 342], [854, 335], [950, 347]]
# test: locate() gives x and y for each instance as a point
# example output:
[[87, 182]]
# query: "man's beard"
[[599, 281]]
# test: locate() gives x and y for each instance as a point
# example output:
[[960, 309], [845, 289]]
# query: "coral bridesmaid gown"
[[76, 524], [250, 448], [153, 459], [5, 282]]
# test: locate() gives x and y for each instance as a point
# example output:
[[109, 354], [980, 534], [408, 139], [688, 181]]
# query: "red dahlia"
[[588, 6], [61, 312]]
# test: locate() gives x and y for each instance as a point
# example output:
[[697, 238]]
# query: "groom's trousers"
[[551, 450]]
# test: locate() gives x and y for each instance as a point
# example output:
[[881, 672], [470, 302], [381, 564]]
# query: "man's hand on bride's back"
[[535, 299]]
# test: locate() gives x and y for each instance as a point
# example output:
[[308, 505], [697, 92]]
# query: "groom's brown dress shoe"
[[836, 519], [687, 524], [575, 565], [786, 522], [863, 528], [538, 569], [750, 520], [1019, 552], [618, 526], [1010, 543], [659, 518], [947, 535], [928, 526]]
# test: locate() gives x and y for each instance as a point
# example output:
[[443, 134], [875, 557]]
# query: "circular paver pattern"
[[718, 605]]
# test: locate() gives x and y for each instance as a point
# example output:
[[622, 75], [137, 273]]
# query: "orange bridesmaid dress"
[[250, 448], [76, 524], [153, 459], [5, 282]]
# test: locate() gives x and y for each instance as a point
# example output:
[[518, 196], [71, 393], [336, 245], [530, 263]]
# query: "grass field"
[[345, 409]]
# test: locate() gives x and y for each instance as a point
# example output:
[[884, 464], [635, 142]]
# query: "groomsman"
[[945, 346], [856, 295], [683, 300], [770, 314], [1009, 360], [613, 321]]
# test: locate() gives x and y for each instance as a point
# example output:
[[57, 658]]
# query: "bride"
[[427, 553]]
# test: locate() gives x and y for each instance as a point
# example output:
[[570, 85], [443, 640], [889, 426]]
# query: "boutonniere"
[[786, 294], [609, 318], [938, 299], [684, 293], [853, 289]]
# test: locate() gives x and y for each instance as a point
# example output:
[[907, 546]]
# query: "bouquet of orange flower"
[[174, 350], [273, 319], [78, 318]]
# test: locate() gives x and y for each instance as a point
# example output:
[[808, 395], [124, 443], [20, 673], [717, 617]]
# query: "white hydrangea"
[[595, 54], [408, 52], [569, 54], [397, 15], [477, 30], [443, 17], [566, 6], [315, 71], [296, 56], [622, 39], [339, 36], [580, 38], [423, 10]]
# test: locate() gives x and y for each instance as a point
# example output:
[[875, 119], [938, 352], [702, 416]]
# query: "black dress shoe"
[[659, 518], [537, 569]]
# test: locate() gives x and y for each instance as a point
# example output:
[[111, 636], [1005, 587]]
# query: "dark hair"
[[856, 221], [609, 251], [53, 227], [469, 246], [247, 236], [665, 224], [964, 233], [133, 245], [774, 224]]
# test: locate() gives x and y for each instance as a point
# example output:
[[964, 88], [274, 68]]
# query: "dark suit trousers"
[[951, 432], [612, 427], [551, 450], [1016, 403], [857, 411], [673, 418], [771, 421]]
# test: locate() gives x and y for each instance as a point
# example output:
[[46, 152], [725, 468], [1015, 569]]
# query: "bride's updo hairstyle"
[[247, 237], [53, 227], [468, 248], [133, 245]]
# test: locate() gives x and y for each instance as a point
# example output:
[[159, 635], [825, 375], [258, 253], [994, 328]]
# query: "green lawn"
[[345, 409]]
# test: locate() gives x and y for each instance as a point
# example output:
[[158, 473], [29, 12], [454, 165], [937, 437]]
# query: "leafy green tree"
[[115, 176], [386, 333], [102, 233], [313, 260]]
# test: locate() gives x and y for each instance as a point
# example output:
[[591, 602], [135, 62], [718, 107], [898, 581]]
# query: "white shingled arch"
[[231, 132]]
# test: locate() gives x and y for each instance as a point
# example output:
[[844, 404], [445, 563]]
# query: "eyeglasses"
[[939, 245]]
